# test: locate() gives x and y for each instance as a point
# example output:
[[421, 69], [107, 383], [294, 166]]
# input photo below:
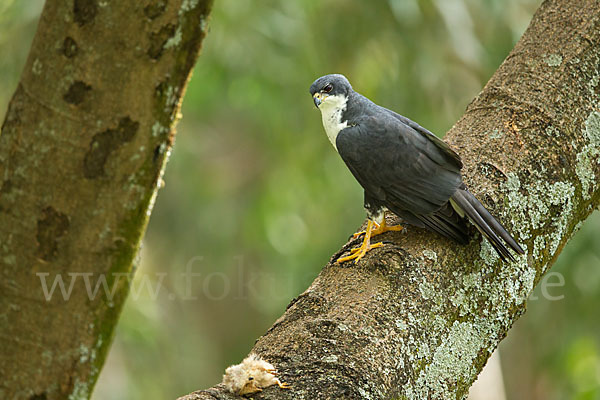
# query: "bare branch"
[[418, 318]]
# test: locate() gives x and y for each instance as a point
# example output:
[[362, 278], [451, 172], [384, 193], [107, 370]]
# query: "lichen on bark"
[[419, 317]]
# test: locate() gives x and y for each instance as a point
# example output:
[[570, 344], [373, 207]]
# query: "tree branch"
[[82, 149], [419, 318]]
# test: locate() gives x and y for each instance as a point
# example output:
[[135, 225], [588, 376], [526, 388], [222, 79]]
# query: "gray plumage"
[[403, 167]]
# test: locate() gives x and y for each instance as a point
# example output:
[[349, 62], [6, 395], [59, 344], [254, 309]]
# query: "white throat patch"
[[331, 113]]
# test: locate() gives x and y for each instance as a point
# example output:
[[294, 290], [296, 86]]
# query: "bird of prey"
[[402, 168]]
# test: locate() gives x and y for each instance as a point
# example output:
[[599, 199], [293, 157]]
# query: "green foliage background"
[[256, 200]]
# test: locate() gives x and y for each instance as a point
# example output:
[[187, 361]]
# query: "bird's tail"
[[466, 204]]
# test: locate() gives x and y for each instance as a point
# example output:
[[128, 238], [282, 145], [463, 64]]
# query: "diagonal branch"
[[419, 318]]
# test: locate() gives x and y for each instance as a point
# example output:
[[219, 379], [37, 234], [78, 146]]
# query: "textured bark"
[[418, 318], [82, 149]]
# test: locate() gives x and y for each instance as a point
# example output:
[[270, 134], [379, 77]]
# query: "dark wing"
[[450, 154], [465, 201], [413, 173], [398, 165], [491, 229]]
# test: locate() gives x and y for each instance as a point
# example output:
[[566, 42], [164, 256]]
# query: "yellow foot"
[[371, 246], [383, 228], [358, 234], [358, 253], [284, 385]]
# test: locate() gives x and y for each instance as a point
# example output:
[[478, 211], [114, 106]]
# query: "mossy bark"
[[82, 149], [418, 318]]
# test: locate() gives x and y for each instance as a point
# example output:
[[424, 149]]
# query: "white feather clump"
[[251, 375]]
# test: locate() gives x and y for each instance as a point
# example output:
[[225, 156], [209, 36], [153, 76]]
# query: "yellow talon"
[[371, 246], [358, 234], [358, 253], [383, 228], [284, 385]]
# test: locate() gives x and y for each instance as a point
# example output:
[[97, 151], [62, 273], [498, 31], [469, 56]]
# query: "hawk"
[[402, 168]]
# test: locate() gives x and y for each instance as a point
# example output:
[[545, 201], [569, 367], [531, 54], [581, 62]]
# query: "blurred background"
[[256, 200]]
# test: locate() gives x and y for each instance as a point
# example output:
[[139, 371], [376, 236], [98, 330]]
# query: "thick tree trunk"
[[82, 149], [418, 318]]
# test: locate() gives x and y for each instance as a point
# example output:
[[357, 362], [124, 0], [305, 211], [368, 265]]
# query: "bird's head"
[[249, 387], [330, 89]]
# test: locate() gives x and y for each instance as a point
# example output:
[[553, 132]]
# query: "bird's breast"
[[333, 125], [332, 115]]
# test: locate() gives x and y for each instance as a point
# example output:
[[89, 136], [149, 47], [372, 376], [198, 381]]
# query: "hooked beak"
[[318, 99]]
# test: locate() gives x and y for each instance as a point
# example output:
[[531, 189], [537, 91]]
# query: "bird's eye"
[[328, 88], [250, 378]]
